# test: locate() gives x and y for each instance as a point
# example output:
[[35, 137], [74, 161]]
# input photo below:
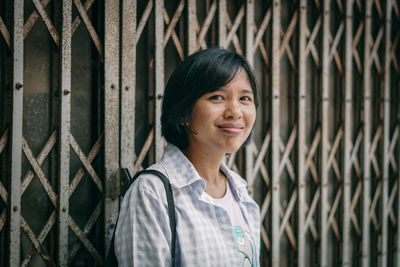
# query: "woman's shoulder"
[[149, 182]]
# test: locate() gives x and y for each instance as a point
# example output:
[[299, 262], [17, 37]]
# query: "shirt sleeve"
[[143, 234]]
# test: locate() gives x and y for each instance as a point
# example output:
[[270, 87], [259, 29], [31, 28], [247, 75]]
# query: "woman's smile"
[[231, 128]]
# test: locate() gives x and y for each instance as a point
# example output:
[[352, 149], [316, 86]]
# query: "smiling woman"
[[209, 110]]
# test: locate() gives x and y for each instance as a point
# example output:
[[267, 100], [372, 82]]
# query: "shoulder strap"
[[171, 205], [111, 258]]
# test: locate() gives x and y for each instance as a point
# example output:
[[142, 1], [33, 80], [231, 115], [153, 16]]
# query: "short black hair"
[[202, 72]]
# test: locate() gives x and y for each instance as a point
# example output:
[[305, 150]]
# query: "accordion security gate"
[[81, 91]]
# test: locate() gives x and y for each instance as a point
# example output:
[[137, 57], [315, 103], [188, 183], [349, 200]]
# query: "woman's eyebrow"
[[247, 91], [243, 91]]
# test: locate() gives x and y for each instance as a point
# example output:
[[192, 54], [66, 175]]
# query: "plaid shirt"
[[204, 232]]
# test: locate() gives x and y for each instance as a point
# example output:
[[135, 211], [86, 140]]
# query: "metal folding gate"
[[81, 87]]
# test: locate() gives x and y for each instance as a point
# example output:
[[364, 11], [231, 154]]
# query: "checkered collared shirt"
[[204, 232]]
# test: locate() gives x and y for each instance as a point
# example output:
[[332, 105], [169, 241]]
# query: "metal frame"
[[276, 157], [64, 134], [367, 140], [348, 138], [302, 133], [16, 133], [111, 120]]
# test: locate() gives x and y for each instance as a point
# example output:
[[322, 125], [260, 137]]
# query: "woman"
[[209, 109]]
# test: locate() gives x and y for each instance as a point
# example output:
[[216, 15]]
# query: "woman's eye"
[[216, 97], [246, 98]]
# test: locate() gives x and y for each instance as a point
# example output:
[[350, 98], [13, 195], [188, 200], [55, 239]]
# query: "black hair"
[[202, 72]]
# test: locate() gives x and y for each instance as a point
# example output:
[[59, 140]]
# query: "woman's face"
[[222, 120]]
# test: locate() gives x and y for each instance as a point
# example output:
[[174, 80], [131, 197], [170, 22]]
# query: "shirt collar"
[[238, 184], [179, 169], [181, 173]]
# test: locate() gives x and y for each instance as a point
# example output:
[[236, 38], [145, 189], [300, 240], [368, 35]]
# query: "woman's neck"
[[207, 163]]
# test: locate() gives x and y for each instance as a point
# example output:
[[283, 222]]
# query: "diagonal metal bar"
[[374, 53], [287, 163], [262, 48], [144, 19], [86, 163], [39, 172], [4, 140], [5, 32], [377, 137], [395, 139], [392, 197], [393, 53], [331, 220], [43, 234], [335, 55], [235, 39], [285, 157], [312, 211], [288, 34], [288, 212], [265, 205], [174, 20], [354, 159], [289, 230], [81, 172], [3, 143], [378, 8], [261, 155], [85, 241], [89, 26], [171, 31], [263, 169], [206, 24], [52, 30], [261, 30], [336, 41], [356, 40], [354, 202], [30, 22], [310, 155], [40, 159], [77, 20], [38, 246], [396, 8], [311, 41], [3, 193], [340, 5], [3, 219], [312, 226], [88, 227], [289, 54], [264, 237], [263, 213], [235, 26], [331, 158], [372, 212], [143, 152]]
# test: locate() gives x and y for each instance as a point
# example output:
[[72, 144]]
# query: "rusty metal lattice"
[[324, 161]]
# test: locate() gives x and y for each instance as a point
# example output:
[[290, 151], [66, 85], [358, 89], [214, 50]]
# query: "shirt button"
[[239, 194]]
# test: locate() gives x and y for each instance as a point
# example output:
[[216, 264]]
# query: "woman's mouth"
[[231, 128]]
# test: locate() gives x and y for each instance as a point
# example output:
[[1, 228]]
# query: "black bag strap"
[[111, 258]]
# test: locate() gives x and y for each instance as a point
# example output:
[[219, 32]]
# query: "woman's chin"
[[232, 148]]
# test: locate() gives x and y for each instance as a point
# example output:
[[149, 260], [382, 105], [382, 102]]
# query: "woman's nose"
[[233, 110]]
